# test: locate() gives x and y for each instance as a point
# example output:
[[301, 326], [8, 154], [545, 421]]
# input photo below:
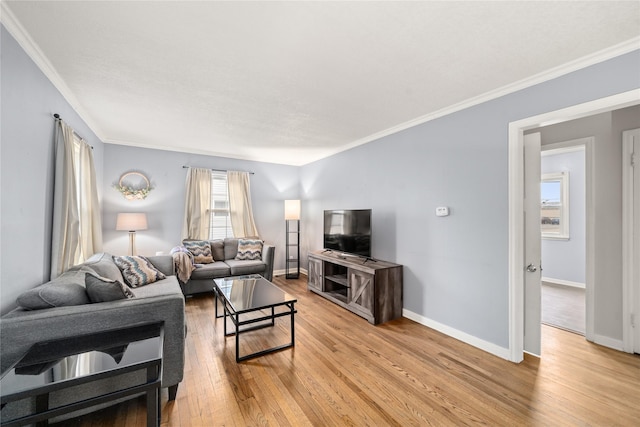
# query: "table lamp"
[[131, 222]]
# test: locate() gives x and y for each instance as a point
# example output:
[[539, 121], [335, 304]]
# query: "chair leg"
[[173, 392]]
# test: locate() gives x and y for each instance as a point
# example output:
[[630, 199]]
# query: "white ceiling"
[[292, 82]]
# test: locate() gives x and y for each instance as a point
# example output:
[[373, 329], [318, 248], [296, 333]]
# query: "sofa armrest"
[[268, 252], [21, 329]]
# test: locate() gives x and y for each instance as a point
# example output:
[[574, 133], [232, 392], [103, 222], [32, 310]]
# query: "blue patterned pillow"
[[249, 249], [201, 250], [137, 270]]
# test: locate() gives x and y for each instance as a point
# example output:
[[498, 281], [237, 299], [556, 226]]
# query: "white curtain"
[[197, 204], [77, 228], [240, 205], [88, 203]]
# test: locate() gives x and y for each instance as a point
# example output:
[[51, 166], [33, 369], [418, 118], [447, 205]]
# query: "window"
[[554, 206], [220, 224]]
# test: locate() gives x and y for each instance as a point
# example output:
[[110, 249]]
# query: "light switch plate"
[[442, 211]]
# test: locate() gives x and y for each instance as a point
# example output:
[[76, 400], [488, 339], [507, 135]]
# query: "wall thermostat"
[[442, 211]]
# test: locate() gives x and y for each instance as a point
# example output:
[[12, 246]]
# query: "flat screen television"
[[348, 231]]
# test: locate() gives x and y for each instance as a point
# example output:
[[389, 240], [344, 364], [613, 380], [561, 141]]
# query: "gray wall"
[[608, 313], [565, 259], [29, 101], [456, 267], [271, 184]]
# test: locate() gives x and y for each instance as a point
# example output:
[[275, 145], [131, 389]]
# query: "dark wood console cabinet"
[[369, 288]]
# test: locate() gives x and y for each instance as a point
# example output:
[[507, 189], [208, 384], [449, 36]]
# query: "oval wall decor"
[[134, 186]]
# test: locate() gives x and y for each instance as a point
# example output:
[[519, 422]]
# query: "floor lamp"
[[131, 222], [292, 215]]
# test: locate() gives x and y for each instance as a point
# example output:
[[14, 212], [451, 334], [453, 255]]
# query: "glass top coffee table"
[[54, 365], [259, 302]]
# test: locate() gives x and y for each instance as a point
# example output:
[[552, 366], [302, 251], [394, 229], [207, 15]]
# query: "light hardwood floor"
[[344, 371]]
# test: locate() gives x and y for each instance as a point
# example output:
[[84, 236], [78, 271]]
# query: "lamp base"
[[132, 243]]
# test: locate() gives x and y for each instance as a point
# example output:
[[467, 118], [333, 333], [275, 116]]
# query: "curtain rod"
[[216, 170], [57, 116]]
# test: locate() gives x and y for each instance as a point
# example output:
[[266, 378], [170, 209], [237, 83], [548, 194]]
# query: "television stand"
[[365, 286]]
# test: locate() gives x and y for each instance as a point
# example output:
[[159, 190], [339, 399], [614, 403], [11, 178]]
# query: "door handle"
[[532, 268]]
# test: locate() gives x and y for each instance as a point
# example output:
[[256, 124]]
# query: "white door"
[[532, 250], [636, 238], [631, 240]]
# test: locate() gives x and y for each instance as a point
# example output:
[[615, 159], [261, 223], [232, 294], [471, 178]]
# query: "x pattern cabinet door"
[[362, 292], [315, 273]]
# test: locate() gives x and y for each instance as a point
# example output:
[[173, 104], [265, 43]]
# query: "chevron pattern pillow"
[[249, 249], [137, 270], [201, 250]]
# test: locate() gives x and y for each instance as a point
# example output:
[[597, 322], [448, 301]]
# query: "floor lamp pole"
[[132, 243], [292, 273]]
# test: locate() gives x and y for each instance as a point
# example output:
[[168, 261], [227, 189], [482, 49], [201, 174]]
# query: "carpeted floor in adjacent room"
[[563, 307]]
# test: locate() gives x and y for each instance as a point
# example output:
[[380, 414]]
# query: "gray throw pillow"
[[65, 290], [104, 265], [101, 289]]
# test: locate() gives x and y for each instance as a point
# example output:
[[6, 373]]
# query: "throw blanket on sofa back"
[[183, 260]]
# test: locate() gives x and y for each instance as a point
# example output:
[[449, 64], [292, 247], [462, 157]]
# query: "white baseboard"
[[494, 349], [608, 342], [283, 272], [564, 282]]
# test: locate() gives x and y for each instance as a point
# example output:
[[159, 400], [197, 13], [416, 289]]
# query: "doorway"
[[517, 254], [563, 232], [550, 223]]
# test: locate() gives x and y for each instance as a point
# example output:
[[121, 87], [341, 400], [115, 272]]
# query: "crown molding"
[[32, 49], [213, 153], [569, 67]]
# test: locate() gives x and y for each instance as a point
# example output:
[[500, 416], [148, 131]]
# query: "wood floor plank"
[[344, 371]]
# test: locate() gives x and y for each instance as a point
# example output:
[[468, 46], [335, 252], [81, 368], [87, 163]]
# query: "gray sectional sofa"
[[161, 301], [225, 265]]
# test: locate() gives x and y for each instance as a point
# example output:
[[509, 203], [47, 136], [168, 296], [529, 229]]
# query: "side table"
[[55, 365]]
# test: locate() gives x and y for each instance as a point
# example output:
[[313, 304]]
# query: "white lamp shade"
[[291, 209], [131, 221]]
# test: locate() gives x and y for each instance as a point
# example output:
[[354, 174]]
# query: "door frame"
[[516, 202]]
